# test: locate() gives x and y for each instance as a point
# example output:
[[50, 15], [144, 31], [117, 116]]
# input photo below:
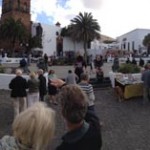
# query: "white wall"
[[135, 36], [69, 45], [49, 40]]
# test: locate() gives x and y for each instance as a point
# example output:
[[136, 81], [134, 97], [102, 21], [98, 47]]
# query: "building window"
[[124, 45], [133, 45], [128, 46]]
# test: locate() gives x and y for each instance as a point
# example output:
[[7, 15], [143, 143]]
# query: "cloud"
[[61, 10], [115, 17], [92, 4]]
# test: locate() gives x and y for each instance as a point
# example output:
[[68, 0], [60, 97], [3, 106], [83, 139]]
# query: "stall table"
[[126, 90]]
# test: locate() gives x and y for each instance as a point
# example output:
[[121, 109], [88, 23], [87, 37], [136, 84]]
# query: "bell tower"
[[17, 9]]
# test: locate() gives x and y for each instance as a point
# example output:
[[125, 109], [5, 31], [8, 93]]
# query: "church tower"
[[17, 9]]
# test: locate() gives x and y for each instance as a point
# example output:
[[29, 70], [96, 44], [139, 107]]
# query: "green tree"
[[146, 42], [12, 31], [35, 42], [84, 28], [64, 32]]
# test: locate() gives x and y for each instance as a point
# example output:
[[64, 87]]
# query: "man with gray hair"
[[18, 86], [83, 125]]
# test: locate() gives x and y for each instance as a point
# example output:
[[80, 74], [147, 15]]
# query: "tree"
[[84, 28], [146, 42], [64, 32], [12, 31], [35, 42]]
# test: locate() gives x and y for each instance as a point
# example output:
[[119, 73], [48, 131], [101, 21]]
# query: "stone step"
[[101, 84], [105, 83]]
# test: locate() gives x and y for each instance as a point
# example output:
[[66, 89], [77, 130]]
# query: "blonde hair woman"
[[33, 94], [32, 129]]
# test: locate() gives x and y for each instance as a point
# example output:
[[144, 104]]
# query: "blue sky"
[[115, 17]]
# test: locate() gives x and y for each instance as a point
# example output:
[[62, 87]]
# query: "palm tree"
[[146, 42], [13, 31], [84, 28]]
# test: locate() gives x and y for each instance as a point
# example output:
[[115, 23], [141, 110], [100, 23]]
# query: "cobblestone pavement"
[[126, 125]]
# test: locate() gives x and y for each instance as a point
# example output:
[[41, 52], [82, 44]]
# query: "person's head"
[[74, 103], [69, 71], [84, 77], [98, 57], [32, 75], [147, 66], [18, 72], [40, 72], [51, 72], [35, 126]]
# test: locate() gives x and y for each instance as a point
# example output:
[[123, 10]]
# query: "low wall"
[[7, 60], [123, 59], [10, 60], [6, 78]]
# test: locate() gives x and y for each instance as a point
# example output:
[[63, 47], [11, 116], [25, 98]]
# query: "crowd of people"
[[34, 122]]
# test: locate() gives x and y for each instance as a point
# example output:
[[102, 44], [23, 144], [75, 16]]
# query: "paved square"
[[126, 124]]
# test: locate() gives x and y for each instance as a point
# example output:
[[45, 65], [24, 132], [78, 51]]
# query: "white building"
[[133, 40], [49, 40]]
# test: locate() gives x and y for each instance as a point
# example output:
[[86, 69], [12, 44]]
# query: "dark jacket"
[[18, 86], [146, 78], [141, 62], [42, 85], [98, 63], [87, 137], [33, 85]]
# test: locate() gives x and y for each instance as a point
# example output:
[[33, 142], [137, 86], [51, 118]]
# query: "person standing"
[[80, 66], [46, 62], [115, 66], [33, 94], [18, 86], [146, 83], [24, 65], [98, 62], [42, 84], [88, 89], [52, 90], [141, 62], [71, 78], [134, 61], [128, 61], [91, 63], [29, 59]]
